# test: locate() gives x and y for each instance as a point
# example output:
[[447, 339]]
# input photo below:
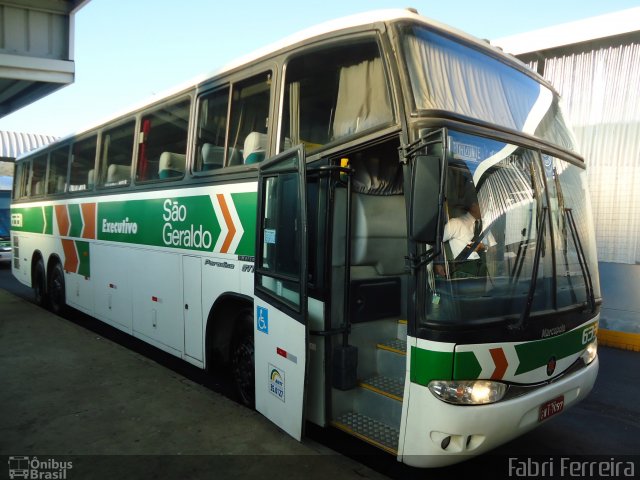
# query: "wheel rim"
[[39, 287], [57, 290], [243, 370]]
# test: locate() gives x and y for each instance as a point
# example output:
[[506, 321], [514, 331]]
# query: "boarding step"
[[402, 329], [391, 358], [383, 385], [394, 345], [371, 431]]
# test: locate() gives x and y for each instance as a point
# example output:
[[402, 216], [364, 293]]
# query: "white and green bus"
[[290, 218]]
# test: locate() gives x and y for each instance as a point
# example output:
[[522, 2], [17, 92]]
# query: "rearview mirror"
[[426, 198]]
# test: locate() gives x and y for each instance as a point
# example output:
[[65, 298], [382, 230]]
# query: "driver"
[[465, 244]]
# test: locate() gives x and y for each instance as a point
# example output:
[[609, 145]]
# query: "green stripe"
[[466, 366], [533, 355], [48, 215], [32, 219], [427, 365], [189, 223], [75, 230], [246, 207], [84, 265]]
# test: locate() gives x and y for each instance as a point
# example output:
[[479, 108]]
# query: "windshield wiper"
[[540, 230], [582, 259]]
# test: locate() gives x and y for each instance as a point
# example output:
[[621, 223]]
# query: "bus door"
[[280, 315]]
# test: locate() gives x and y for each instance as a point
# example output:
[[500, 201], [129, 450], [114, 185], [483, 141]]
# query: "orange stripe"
[[62, 216], [497, 354], [89, 218], [70, 256], [227, 219]]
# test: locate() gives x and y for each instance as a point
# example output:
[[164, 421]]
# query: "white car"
[[5, 249]]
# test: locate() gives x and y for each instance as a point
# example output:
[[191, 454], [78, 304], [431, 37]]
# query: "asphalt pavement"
[[74, 389], [71, 395]]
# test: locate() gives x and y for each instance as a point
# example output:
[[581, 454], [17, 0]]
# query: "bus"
[[289, 219]]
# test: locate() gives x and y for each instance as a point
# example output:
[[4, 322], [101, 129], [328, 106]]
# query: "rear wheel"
[[242, 362], [57, 299], [39, 283]]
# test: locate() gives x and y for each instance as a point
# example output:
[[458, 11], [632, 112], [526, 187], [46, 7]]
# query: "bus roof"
[[301, 37]]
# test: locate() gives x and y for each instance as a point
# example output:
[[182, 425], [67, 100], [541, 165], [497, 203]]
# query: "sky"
[[130, 51]]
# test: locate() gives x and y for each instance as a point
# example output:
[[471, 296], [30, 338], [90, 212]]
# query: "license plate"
[[551, 408]]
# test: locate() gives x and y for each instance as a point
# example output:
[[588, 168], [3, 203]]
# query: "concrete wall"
[[620, 285]]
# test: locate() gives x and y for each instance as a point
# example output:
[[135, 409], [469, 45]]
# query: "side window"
[[249, 118], [37, 176], [212, 130], [332, 93], [281, 254], [58, 166], [83, 163], [116, 150], [20, 180], [162, 142]]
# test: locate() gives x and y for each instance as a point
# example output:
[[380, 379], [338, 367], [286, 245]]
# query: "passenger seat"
[[171, 165], [212, 157], [255, 147], [118, 174]]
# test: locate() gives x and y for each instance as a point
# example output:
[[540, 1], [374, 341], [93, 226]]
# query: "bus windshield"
[[450, 76], [518, 234]]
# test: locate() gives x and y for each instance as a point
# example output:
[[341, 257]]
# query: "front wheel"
[[57, 298], [242, 363]]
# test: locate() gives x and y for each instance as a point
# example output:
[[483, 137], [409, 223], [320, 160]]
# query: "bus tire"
[[39, 284], [242, 361], [57, 299]]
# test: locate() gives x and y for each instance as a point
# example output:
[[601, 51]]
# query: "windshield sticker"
[[269, 236]]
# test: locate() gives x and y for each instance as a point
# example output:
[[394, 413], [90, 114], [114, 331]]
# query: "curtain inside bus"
[[360, 103], [447, 75]]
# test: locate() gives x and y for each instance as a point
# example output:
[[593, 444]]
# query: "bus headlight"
[[590, 353], [468, 392]]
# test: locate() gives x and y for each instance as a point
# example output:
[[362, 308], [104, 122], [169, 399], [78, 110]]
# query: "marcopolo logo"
[[34, 468]]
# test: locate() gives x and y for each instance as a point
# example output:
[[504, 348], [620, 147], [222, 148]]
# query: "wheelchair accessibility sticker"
[[262, 315]]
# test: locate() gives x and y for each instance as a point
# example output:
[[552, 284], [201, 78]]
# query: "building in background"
[[595, 65], [36, 59], [12, 145], [36, 49]]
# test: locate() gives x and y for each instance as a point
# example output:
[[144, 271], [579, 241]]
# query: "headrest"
[[172, 161], [212, 156], [255, 146], [379, 232], [61, 183], [118, 173]]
